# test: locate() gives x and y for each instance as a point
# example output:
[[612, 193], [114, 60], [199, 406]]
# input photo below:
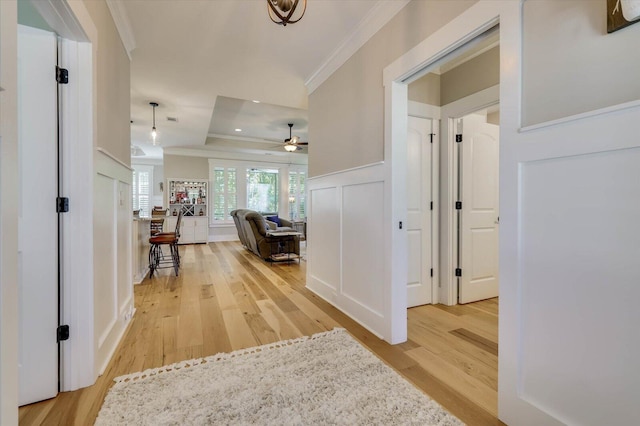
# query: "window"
[[297, 200], [141, 189], [224, 193], [263, 187], [262, 190]]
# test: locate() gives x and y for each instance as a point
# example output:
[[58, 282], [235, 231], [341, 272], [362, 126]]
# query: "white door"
[[38, 220], [419, 213], [479, 216]]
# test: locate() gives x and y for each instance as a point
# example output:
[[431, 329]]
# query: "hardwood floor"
[[226, 299]]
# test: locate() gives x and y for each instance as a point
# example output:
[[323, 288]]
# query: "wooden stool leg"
[[152, 264], [175, 256]]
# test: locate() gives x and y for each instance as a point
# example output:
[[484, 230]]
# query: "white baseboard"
[[221, 238]]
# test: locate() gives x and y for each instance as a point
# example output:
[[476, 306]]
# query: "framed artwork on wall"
[[622, 13]]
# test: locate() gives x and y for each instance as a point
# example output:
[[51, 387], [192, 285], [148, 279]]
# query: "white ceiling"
[[257, 121], [185, 54]]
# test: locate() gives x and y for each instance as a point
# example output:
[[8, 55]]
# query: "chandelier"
[[281, 11]]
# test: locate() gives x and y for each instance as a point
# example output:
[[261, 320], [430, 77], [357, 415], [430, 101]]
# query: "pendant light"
[[281, 11], [154, 132]]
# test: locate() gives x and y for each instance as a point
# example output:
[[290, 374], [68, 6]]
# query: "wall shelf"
[[190, 196]]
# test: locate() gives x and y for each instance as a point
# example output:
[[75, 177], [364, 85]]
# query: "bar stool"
[[157, 257], [157, 219]]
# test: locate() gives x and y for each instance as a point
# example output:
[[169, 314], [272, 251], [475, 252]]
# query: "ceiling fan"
[[293, 143]]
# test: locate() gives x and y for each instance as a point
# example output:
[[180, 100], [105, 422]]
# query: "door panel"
[[479, 217], [38, 220], [419, 232]]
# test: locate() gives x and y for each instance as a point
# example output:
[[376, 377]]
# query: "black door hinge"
[[431, 135], [63, 333], [62, 75], [432, 272], [458, 205], [459, 137], [432, 205], [62, 205], [458, 272]]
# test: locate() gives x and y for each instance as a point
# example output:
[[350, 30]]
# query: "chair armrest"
[[286, 222], [272, 225]]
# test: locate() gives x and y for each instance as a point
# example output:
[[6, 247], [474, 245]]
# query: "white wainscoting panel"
[[345, 243], [362, 243], [105, 256], [581, 244], [113, 257], [125, 289], [323, 229]]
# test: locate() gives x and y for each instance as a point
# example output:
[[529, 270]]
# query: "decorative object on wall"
[[154, 133], [622, 13], [281, 11]]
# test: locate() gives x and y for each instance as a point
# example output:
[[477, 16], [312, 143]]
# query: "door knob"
[[497, 222]]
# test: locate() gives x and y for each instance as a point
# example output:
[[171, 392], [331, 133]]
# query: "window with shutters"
[[262, 187], [224, 193], [141, 189], [297, 199], [262, 190]]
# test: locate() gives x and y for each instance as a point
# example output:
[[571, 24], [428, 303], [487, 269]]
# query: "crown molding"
[[377, 17], [121, 19], [243, 138], [299, 159]]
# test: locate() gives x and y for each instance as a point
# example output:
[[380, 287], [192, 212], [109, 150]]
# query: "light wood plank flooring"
[[226, 299]]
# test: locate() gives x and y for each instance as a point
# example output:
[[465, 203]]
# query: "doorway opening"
[[455, 246], [440, 167]]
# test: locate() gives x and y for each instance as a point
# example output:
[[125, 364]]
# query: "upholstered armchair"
[[258, 236]]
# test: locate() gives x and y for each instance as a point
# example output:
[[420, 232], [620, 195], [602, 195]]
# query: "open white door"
[[479, 216], [419, 213], [38, 220]]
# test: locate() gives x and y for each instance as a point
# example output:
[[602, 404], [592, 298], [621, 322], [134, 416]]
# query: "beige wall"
[[113, 97], [9, 175], [479, 73], [494, 118], [346, 113], [475, 75], [183, 167], [572, 65], [426, 90]]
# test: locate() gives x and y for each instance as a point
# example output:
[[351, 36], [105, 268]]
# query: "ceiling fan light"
[[290, 147], [295, 140]]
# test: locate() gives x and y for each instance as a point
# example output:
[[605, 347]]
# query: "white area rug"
[[328, 378]]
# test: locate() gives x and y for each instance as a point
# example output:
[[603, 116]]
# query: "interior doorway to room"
[[458, 105], [452, 250]]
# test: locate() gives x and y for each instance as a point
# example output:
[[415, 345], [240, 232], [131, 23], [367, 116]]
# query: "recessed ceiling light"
[[256, 102], [238, 130]]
